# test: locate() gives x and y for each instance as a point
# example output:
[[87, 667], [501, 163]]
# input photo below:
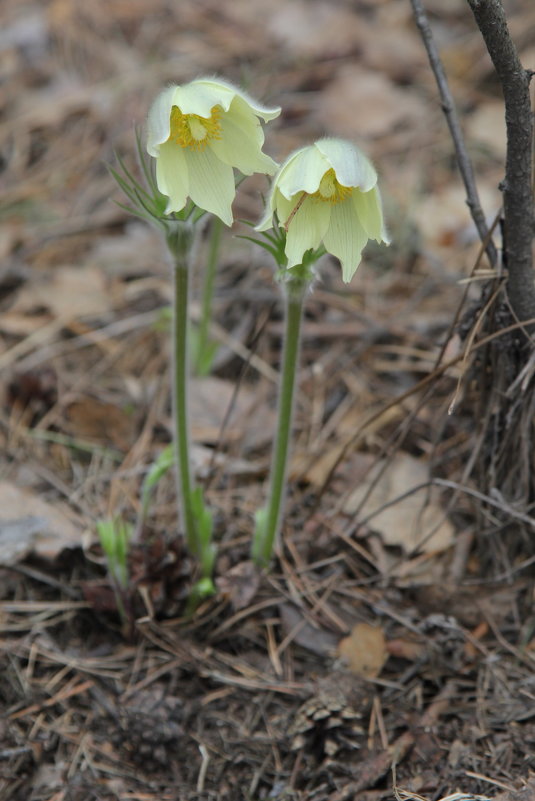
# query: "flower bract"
[[198, 132], [327, 193]]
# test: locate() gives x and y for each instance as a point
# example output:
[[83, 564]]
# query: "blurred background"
[[84, 410], [77, 77]]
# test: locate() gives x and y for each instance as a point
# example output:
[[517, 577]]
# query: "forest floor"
[[391, 648]]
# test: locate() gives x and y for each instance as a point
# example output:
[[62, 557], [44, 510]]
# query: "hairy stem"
[[268, 521], [208, 294], [180, 400]]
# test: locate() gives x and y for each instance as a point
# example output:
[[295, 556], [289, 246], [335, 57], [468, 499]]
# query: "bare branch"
[[448, 107], [517, 188]]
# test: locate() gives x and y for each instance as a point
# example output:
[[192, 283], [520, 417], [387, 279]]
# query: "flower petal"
[[172, 176], [285, 206], [159, 120], [306, 228], [302, 172], [345, 238], [212, 84], [200, 96], [351, 166], [212, 185], [266, 220], [369, 210], [266, 113], [241, 140]]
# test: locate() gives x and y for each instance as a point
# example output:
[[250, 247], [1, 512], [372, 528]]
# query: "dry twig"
[[450, 112], [517, 187], [375, 768]]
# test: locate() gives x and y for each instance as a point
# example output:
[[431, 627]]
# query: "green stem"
[[180, 399], [268, 520], [208, 294]]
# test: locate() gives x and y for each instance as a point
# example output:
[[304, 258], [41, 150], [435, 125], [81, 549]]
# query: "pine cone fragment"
[[330, 719]]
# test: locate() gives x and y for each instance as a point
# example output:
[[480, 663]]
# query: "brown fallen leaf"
[[364, 650], [313, 34], [406, 649], [486, 126], [387, 105], [442, 220], [469, 604], [68, 292], [315, 639], [29, 524], [526, 793], [412, 520], [240, 584], [214, 403], [103, 423]]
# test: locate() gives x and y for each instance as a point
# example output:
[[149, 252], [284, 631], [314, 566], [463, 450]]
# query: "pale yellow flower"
[[198, 133], [327, 193]]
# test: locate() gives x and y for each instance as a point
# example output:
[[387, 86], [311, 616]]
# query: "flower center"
[[193, 131], [331, 190]]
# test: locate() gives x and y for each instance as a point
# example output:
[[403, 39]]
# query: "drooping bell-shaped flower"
[[198, 132], [327, 193]]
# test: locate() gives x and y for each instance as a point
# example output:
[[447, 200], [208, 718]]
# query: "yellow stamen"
[[192, 131], [331, 190]]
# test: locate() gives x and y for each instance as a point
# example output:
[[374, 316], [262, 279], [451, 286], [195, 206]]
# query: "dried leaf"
[[240, 584], [386, 106], [314, 639], [210, 401], [413, 520], [103, 423], [67, 292], [406, 649], [486, 126], [364, 650], [313, 34], [29, 524]]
